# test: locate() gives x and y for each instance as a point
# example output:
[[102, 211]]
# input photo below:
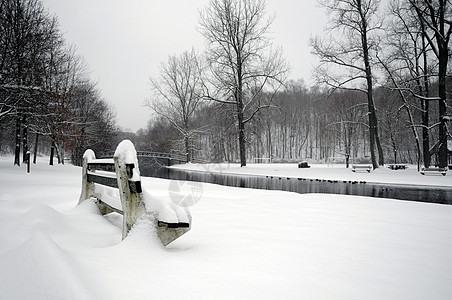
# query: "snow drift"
[[249, 244]]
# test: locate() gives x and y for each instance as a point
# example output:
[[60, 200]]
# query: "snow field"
[[247, 244]]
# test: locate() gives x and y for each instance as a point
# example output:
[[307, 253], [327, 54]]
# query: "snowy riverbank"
[[328, 172]]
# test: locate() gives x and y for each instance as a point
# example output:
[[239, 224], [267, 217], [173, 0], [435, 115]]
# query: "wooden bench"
[[433, 170], [262, 160], [124, 175], [367, 168], [397, 166]]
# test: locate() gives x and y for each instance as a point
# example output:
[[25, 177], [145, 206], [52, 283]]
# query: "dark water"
[[155, 167], [432, 194]]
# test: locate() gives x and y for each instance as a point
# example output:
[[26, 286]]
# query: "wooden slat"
[[173, 225], [108, 167], [107, 181], [112, 208], [135, 186]]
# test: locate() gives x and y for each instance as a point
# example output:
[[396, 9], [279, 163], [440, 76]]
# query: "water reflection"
[[155, 167], [431, 194]]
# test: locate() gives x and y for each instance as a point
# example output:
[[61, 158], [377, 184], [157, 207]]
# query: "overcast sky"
[[124, 42]]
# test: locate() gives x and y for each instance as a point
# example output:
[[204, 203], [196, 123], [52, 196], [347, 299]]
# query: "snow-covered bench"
[[367, 168], [122, 172], [433, 170], [262, 160]]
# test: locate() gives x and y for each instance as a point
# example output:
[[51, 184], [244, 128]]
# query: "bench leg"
[[167, 233]]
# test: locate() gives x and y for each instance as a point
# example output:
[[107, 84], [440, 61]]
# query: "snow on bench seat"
[[367, 168], [433, 170]]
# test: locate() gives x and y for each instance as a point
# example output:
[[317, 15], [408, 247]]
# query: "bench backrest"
[[122, 175]]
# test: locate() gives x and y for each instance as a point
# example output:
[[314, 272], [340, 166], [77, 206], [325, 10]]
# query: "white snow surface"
[[164, 209], [244, 244]]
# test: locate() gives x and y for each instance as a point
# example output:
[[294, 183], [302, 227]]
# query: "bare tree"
[[242, 63], [355, 23], [177, 94], [38, 80], [29, 38], [436, 18], [26, 35], [348, 115], [90, 123], [410, 64]]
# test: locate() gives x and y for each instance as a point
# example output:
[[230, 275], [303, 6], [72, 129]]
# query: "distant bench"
[[434, 170], [367, 168], [397, 166], [262, 160]]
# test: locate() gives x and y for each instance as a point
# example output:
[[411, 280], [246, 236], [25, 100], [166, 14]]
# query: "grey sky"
[[125, 41]]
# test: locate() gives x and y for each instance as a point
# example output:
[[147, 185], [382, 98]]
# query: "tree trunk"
[[371, 111], [60, 154], [381, 158], [425, 110], [394, 146], [17, 148], [442, 107], [269, 141], [370, 101], [425, 134], [24, 138], [36, 148], [240, 111], [52, 153], [443, 53], [242, 140], [187, 148]]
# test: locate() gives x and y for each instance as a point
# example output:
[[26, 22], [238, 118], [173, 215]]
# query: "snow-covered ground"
[[244, 244]]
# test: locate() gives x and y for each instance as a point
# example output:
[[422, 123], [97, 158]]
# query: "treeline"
[[46, 96], [382, 88], [305, 123]]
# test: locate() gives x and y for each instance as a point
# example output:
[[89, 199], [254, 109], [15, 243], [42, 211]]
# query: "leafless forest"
[[382, 91]]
